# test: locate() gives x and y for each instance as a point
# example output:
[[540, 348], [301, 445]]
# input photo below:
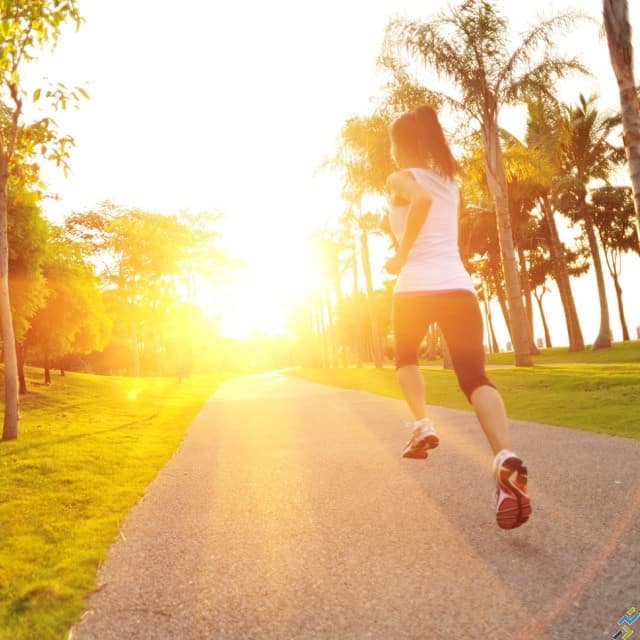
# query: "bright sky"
[[234, 106]]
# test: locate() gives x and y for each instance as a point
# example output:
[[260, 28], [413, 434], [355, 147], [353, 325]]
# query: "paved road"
[[287, 513]]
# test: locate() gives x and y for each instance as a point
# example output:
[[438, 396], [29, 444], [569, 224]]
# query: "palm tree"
[[616, 22], [365, 223], [613, 215], [468, 45], [587, 155], [364, 160], [480, 250], [543, 139]]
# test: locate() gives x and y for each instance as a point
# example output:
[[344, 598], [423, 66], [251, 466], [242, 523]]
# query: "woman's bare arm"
[[405, 186]]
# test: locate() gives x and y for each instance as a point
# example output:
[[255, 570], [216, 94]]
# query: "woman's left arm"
[[404, 184]]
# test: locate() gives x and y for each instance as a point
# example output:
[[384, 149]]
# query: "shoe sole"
[[419, 450], [513, 511]]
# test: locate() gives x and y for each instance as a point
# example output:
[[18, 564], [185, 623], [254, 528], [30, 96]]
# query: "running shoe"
[[423, 438], [513, 505]]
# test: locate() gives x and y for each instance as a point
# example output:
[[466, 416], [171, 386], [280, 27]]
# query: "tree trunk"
[[322, 329], [331, 328], [547, 335], [337, 292], [492, 333], [375, 332], [561, 276], [432, 342], [502, 301], [623, 321], [604, 334], [616, 22], [136, 351], [357, 324], [47, 369], [497, 180], [496, 272], [11, 401], [526, 290], [447, 363], [493, 343], [21, 354]]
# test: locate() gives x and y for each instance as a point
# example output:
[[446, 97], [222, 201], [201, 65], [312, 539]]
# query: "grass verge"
[[87, 448], [601, 396]]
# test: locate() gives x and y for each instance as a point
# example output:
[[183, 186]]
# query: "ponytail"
[[420, 134]]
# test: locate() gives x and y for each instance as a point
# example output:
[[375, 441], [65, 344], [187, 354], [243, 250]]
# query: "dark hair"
[[419, 134]]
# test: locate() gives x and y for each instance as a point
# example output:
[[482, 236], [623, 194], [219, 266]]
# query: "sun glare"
[[261, 299]]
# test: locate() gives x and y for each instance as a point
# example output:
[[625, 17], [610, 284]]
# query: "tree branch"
[[540, 34]]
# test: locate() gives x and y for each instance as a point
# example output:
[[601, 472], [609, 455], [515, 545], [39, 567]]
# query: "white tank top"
[[434, 262]]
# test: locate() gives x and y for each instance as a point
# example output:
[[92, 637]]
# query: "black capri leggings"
[[458, 315]]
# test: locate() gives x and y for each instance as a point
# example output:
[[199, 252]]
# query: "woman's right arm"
[[404, 184]]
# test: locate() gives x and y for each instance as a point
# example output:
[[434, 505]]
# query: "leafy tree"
[[364, 160], [543, 142], [150, 265], [618, 29], [26, 26], [28, 234], [469, 46], [74, 318], [588, 154], [613, 215]]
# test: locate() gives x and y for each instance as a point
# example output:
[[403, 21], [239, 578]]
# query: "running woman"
[[434, 286]]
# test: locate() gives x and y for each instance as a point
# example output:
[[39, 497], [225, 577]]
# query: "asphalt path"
[[288, 513]]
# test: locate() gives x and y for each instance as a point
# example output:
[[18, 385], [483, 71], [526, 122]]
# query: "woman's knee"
[[406, 358], [470, 383]]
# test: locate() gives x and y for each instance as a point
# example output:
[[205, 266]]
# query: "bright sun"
[[262, 298]]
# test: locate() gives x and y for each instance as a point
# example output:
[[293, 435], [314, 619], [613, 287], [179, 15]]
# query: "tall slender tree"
[[468, 45], [616, 22], [613, 216], [588, 155], [364, 161], [544, 139], [27, 26]]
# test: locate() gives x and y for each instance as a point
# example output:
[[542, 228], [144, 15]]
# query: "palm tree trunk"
[[496, 272], [21, 354], [358, 347], [375, 332], [526, 289], [502, 301], [332, 328], [623, 321], [547, 335], [320, 332], [616, 21], [612, 258], [493, 343], [604, 334], [11, 402], [492, 332], [337, 292], [447, 363], [497, 180], [561, 276], [432, 343]]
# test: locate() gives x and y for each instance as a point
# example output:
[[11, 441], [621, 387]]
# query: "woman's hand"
[[394, 264]]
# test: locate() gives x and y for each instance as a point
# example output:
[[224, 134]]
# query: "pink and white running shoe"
[[513, 505], [423, 438]]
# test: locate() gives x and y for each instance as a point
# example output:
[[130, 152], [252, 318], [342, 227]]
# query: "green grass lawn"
[[87, 448], [596, 391]]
